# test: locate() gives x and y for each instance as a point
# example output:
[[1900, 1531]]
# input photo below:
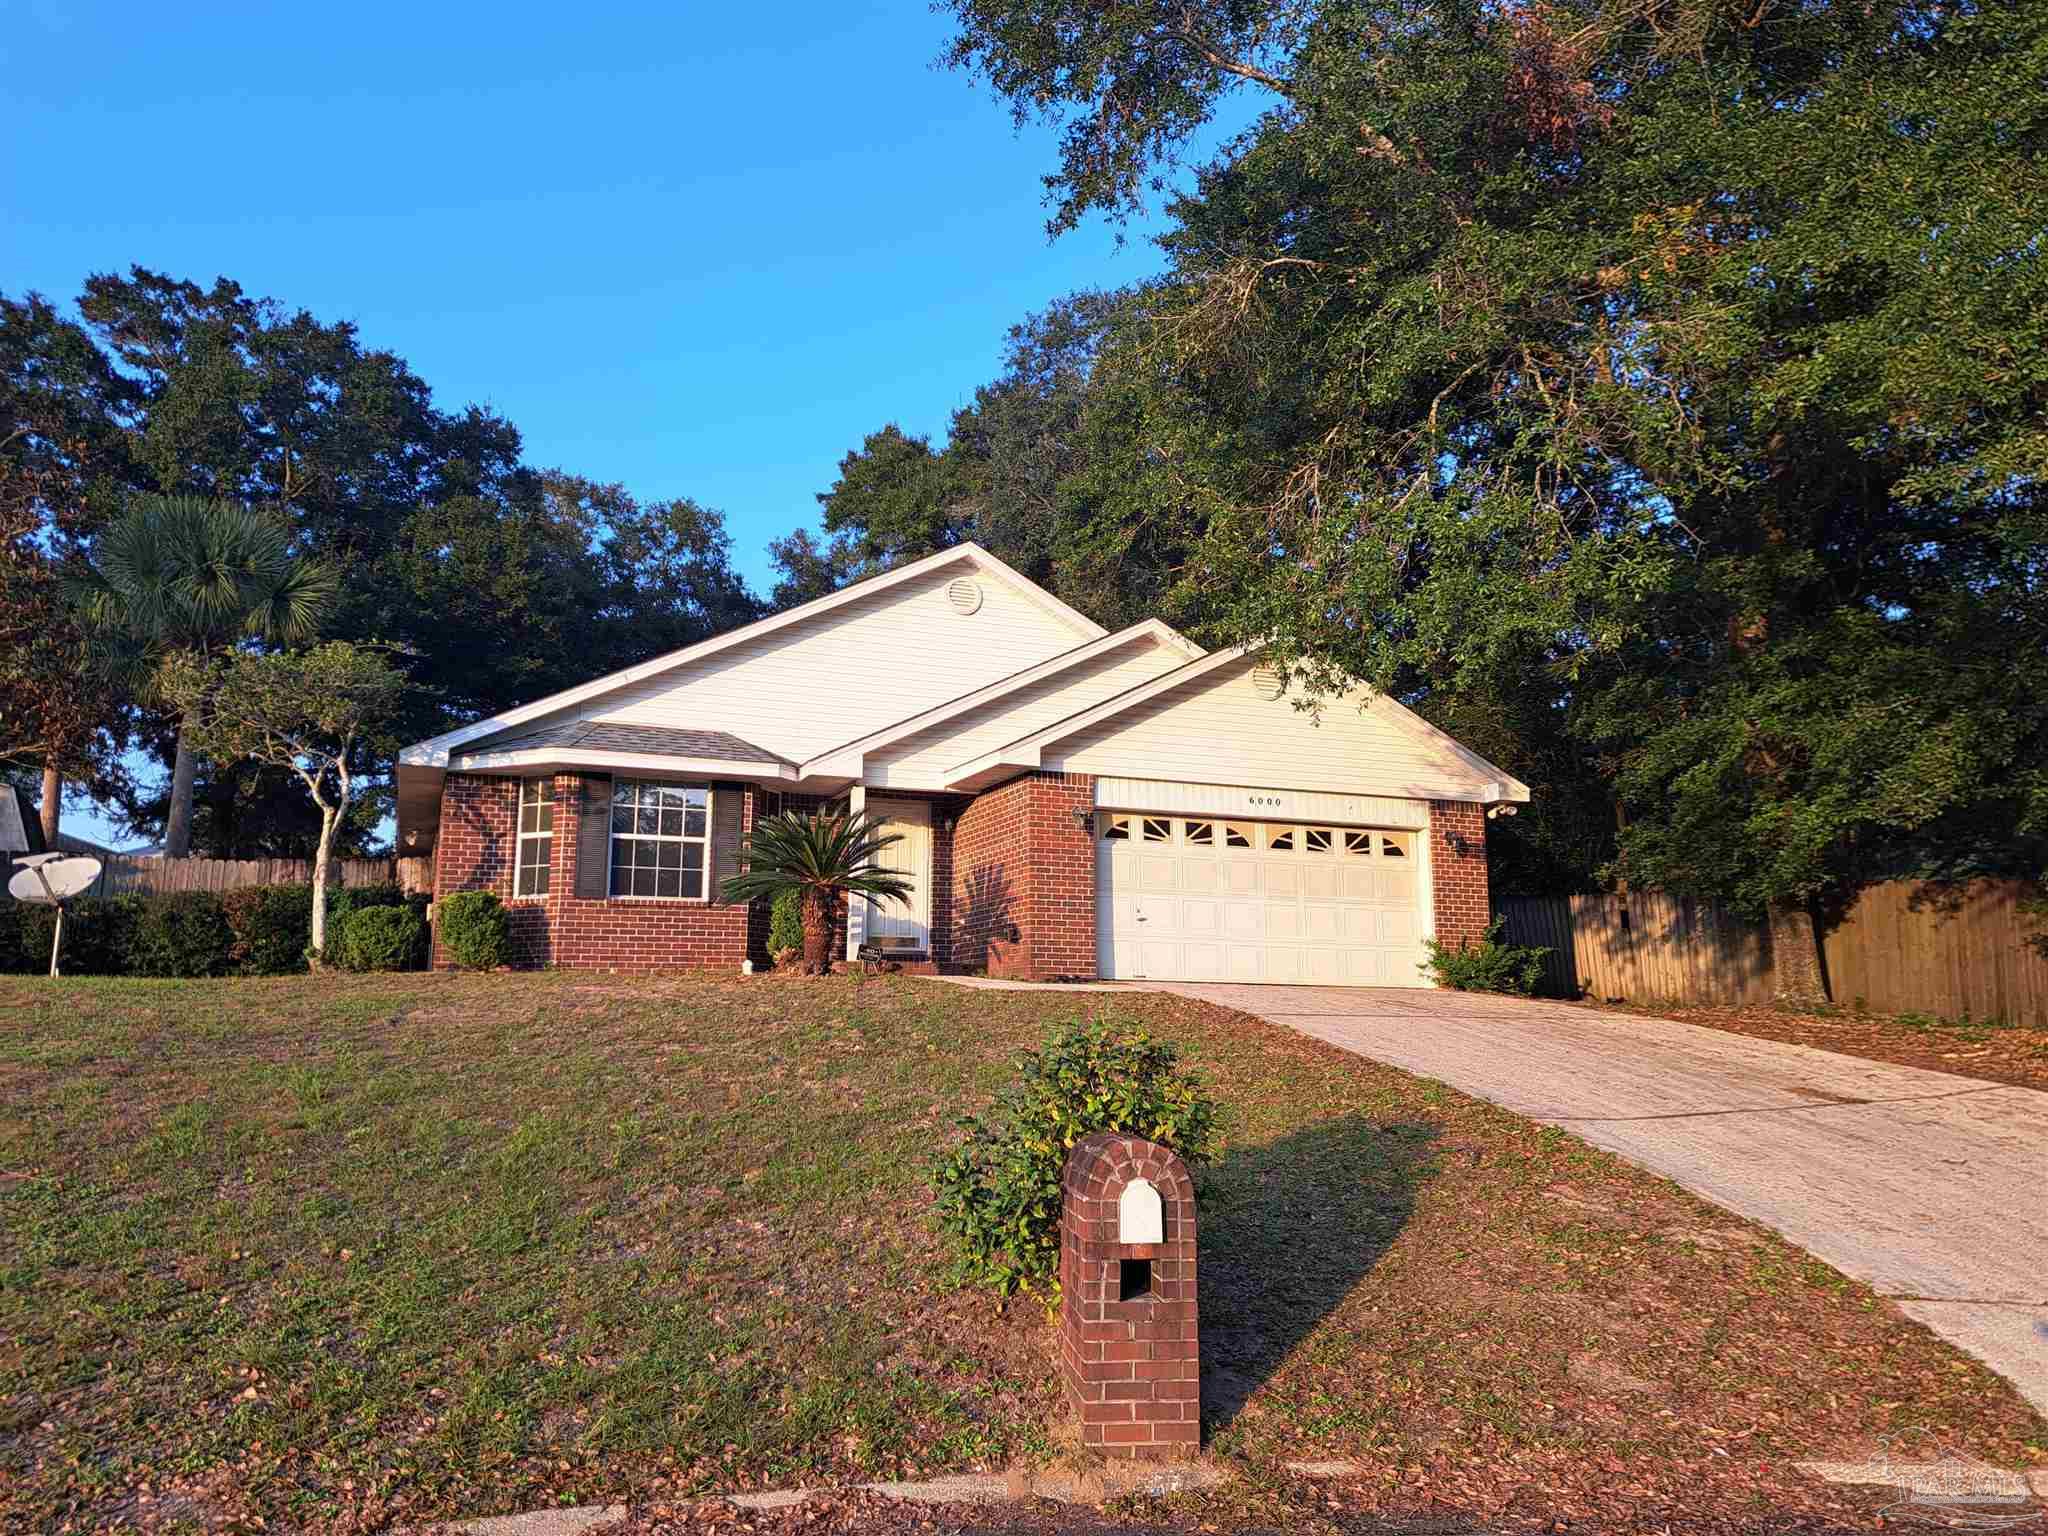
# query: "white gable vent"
[[1269, 681], [964, 595]]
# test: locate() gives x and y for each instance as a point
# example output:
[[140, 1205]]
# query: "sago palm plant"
[[825, 856]]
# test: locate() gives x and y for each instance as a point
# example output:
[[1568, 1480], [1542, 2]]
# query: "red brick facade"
[[1131, 1363], [1457, 859], [476, 850], [1013, 882], [1022, 865]]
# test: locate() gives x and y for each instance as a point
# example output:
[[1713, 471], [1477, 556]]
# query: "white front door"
[[912, 858], [1209, 898]]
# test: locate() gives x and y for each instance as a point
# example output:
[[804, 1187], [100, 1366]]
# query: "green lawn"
[[359, 1249]]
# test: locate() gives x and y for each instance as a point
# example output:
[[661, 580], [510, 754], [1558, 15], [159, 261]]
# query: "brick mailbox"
[[1129, 1351]]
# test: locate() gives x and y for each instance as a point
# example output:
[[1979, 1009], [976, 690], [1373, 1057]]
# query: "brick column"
[[1023, 875], [1457, 870], [1130, 1353]]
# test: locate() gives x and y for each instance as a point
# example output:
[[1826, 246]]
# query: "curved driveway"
[[1931, 1188]]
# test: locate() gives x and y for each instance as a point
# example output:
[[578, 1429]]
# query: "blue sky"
[[701, 250]]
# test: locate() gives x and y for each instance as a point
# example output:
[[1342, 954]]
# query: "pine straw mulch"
[[1992, 1053]]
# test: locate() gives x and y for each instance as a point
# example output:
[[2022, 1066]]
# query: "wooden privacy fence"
[[1906, 946], [1959, 951], [119, 874]]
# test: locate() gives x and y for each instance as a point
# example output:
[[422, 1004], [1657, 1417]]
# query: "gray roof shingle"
[[648, 740]]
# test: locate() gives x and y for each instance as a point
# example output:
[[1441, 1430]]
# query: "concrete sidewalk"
[[1931, 1188]]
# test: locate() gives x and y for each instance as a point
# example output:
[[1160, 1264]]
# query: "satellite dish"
[[53, 877]]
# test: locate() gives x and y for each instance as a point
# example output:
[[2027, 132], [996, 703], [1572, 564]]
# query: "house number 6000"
[[1262, 799]]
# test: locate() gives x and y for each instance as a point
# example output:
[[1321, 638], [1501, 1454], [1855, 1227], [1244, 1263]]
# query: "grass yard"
[[339, 1252]]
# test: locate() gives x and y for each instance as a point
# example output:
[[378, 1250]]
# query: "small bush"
[[99, 935], [381, 939], [786, 922], [475, 930], [999, 1193], [1488, 965], [273, 925], [12, 961], [182, 933]]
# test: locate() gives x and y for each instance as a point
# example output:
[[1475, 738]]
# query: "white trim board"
[[1250, 802]]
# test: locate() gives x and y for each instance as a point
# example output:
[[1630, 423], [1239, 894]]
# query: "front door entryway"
[[912, 858]]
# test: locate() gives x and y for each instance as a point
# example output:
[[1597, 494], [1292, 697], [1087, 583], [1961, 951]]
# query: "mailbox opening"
[[1133, 1279]]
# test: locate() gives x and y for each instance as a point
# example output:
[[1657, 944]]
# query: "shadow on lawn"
[[1285, 1230]]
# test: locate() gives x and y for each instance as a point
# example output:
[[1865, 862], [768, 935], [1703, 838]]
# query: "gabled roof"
[[21, 829], [434, 752], [650, 740], [1025, 752], [846, 757], [652, 748]]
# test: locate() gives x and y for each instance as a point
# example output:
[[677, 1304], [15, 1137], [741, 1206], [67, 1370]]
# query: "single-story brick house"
[[1074, 803]]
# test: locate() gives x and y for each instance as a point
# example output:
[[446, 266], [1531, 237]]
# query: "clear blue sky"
[[698, 249], [701, 250]]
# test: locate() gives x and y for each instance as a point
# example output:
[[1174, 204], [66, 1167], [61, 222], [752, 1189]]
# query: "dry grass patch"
[[339, 1251]]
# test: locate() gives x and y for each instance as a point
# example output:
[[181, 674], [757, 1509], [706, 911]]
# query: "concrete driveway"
[[1931, 1188]]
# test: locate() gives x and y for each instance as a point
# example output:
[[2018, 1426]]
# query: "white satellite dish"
[[53, 878]]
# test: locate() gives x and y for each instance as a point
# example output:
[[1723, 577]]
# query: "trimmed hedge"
[[184, 933], [382, 939], [259, 931], [475, 930], [272, 925]]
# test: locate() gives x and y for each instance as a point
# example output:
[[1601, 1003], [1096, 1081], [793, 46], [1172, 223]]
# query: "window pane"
[[671, 821], [1393, 847], [1115, 828], [668, 882], [545, 811], [693, 822], [622, 873], [696, 794], [648, 821], [1202, 833], [643, 882], [1359, 843], [693, 870], [1235, 836], [1157, 829], [1280, 839], [1318, 839], [669, 856]]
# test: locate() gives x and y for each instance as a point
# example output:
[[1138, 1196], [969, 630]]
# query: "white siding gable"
[[802, 689], [921, 761], [1218, 729]]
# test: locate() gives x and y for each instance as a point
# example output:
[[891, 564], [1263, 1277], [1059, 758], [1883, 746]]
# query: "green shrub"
[[474, 930], [273, 925], [1488, 965], [99, 935], [12, 961], [786, 921], [181, 933], [381, 939], [999, 1193]]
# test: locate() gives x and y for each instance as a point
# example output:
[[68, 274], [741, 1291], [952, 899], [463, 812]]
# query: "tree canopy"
[[1652, 390], [494, 581]]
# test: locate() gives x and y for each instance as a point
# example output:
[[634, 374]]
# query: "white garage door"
[[1186, 898]]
